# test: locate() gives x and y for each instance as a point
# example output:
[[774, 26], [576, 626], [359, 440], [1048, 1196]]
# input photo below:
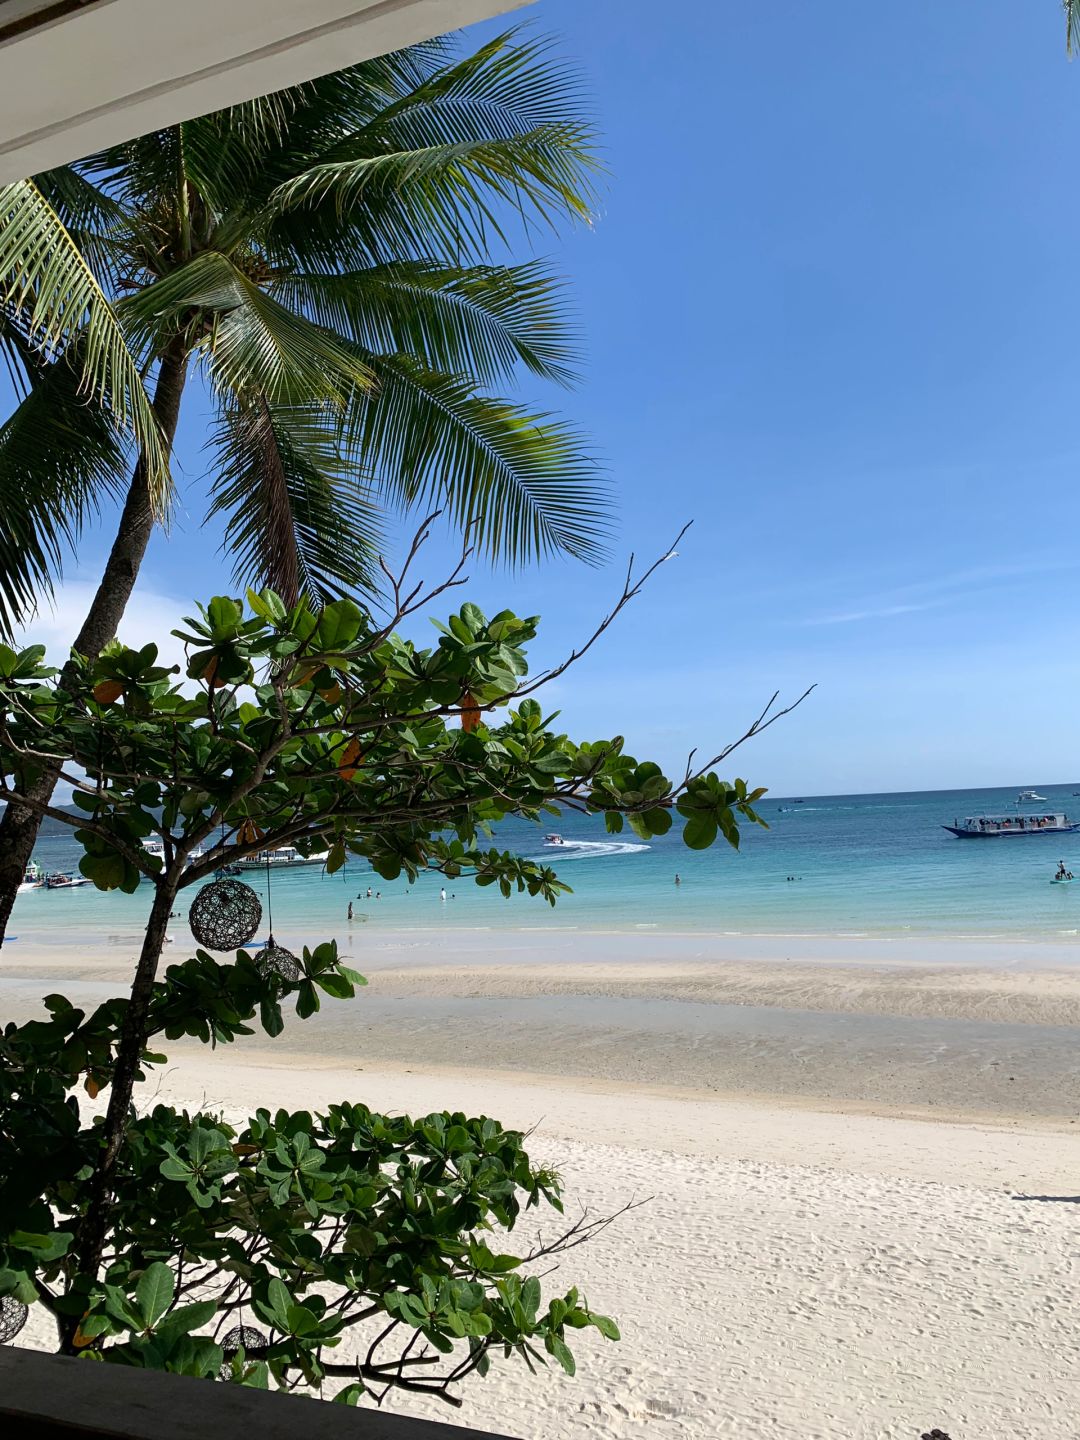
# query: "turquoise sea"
[[864, 865]]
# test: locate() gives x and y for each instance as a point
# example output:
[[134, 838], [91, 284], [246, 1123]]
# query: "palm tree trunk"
[[20, 824]]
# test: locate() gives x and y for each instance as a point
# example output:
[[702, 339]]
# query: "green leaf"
[[154, 1292], [700, 832], [280, 1302], [557, 1347], [188, 1318]]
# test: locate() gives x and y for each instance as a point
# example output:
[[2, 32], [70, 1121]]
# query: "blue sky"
[[830, 312]]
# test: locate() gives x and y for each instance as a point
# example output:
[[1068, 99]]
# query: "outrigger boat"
[[1001, 827]]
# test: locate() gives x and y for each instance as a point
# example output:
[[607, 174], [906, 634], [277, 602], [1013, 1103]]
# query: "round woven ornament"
[[274, 959], [242, 1337], [225, 915], [13, 1315]]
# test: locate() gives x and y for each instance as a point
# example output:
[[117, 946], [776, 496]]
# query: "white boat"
[[58, 880], [554, 840], [1026, 795], [32, 878], [281, 856], [156, 850]]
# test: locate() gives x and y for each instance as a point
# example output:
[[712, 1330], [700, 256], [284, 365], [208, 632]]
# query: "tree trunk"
[[19, 826], [93, 1230]]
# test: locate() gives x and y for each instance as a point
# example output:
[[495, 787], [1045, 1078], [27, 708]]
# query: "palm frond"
[[59, 458], [91, 217], [44, 275], [446, 200], [299, 517], [525, 481], [1072, 24], [507, 89], [252, 341], [21, 360], [480, 320], [435, 172]]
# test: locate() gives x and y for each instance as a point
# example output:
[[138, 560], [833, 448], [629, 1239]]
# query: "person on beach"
[[350, 909]]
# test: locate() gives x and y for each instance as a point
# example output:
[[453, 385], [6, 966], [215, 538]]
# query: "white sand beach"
[[825, 1259], [794, 1273]]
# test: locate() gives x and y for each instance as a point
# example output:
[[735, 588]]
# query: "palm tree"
[[323, 258], [1072, 24]]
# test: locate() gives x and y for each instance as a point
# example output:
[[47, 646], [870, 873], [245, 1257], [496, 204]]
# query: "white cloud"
[[150, 616], [879, 613]]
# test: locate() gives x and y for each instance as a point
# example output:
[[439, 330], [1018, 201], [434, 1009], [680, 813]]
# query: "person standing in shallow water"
[[678, 879], [350, 909]]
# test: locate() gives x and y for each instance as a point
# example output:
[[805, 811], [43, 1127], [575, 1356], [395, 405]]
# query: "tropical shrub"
[[290, 1247]]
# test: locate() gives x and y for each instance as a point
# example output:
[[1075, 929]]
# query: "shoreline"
[[1064, 942], [33, 946], [980, 1037]]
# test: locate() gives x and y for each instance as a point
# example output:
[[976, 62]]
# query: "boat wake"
[[587, 850]]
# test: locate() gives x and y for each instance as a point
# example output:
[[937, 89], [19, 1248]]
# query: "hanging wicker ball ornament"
[[225, 915], [13, 1315], [242, 1337], [274, 959]]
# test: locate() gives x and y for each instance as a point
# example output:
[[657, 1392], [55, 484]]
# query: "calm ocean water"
[[866, 865]]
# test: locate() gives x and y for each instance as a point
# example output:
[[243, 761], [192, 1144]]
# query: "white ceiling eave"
[[121, 68]]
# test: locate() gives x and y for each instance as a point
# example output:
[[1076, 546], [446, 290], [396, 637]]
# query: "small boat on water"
[[58, 880], [1029, 795], [33, 878], [1001, 827], [283, 855], [156, 850], [554, 839]]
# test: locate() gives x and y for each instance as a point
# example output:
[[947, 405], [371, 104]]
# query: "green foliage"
[[347, 1234], [388, 1216], [350, 739]]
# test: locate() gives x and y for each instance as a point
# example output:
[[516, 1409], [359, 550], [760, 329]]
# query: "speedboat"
[[554, 840], [32, 878], [59, 881], [282, 855], [1026, 795]]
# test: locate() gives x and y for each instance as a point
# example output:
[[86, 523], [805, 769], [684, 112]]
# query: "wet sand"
[[937, 1030]]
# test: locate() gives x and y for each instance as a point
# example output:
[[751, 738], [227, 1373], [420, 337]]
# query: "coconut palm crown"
[[331, 260]]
